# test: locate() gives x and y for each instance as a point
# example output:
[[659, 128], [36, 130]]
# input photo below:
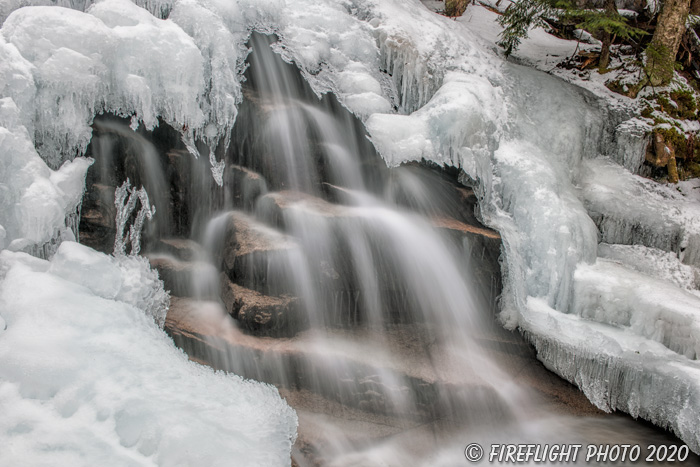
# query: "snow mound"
[[89, 380]]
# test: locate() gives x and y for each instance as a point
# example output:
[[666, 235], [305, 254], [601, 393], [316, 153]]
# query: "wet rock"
[[186, 278], [273, 207], [181, 248], [257, 256], [246, 185], [178, 173], [97, 219], [260, 314], [301, 362]]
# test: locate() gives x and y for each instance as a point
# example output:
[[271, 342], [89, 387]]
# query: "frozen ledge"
[[617, 370]]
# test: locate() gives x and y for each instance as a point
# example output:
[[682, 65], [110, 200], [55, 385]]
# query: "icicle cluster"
[[125, 199]]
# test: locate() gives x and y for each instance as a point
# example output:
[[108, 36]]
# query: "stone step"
[[258, 257], [262, 315], [186, 278], [293, 211], [180, 248], [389, 373], [245, 185]]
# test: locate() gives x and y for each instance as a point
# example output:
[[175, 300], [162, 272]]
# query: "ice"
[[618, 370], [653, 262], [36, 200], [125, 199], [607, 292], [117, 58], [88, 380], [629, 209]]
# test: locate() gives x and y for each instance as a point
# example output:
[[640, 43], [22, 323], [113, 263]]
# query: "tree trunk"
[[606, 38], [695, 7], [661, 52]]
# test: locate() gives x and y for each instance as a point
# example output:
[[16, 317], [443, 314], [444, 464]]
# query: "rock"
[[357, 375], [272, 206], [186, 279], [661, 152], [663, 156], [335, 272], [257, 256], [455, 7], [246, 186], [97, 218], [261, 314], [181, 248], [178, 172]]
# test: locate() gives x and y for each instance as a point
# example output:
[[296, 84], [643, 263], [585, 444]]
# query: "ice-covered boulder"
[[84, 378]]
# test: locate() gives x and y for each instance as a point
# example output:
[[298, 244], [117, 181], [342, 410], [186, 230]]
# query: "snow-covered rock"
[[86, 379]]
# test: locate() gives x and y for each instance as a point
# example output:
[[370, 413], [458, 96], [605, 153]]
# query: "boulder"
[[181, 248], [259, 314], [197, 279], [246, 185], [258, 257]]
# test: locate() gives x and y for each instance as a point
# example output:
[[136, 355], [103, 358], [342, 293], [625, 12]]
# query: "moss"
[[691, 170], [647, 112], [674, 139], [662, 100], [686, 104], [455, 7], [660, 121]]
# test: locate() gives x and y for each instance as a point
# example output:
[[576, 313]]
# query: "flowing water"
[[365, 294]]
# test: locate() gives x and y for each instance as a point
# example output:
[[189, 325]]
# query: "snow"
[[86, 379]]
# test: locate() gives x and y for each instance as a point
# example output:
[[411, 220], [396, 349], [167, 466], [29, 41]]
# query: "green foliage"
[[520, 17], [523, 15], [595, 22]]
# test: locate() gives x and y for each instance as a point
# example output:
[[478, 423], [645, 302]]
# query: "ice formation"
[[87, 377], [554, 163], [125, 199]]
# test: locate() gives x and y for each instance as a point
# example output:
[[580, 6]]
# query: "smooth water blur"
[[368, 257], [396, 333]]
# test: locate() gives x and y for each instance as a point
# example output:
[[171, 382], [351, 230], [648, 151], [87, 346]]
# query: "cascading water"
[[363, 293]]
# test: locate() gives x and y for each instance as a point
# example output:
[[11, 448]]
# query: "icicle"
[[125, 199]]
